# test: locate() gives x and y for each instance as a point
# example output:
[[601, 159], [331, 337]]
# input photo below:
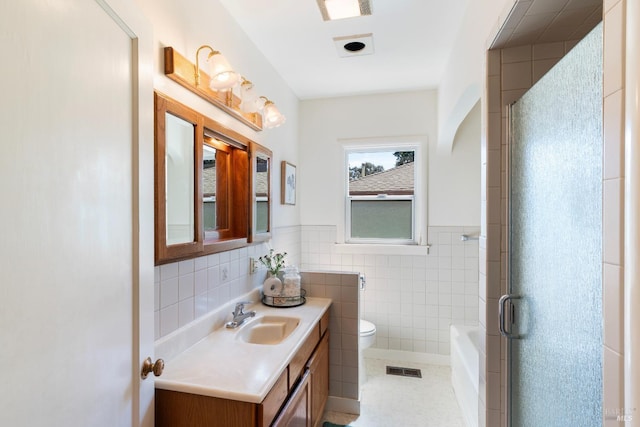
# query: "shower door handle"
[[501, 315]]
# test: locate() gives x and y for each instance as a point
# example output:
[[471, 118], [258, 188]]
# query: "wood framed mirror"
[[202, 184]]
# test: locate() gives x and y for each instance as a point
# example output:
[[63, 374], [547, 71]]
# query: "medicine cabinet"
[[209, 190]]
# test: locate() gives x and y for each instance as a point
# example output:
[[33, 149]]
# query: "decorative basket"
[[285, 301]]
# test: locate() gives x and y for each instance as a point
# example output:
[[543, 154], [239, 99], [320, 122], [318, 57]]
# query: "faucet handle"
[[240, 306], [243, 303]]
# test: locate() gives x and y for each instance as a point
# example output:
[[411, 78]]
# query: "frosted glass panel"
[[381, 219], [556, 255]]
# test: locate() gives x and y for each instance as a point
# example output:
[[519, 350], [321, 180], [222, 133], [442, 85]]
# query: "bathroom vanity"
[[249, 377]]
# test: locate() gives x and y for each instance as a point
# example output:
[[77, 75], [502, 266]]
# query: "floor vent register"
[[404, 372]]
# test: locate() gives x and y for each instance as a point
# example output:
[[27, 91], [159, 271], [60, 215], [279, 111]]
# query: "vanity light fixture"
[[340, 9], [223, 77], [272, 117], [219, 88]]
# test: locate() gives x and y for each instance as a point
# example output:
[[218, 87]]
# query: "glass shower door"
[[554, 317]]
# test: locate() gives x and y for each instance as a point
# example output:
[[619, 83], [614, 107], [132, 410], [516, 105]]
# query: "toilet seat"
[[367, 328]]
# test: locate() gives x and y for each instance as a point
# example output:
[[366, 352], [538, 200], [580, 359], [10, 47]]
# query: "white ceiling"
[[412, 40]]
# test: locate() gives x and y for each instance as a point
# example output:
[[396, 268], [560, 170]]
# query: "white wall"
[[188, 290], [463, 79], [454, 178], [186, 26], [430, 290]]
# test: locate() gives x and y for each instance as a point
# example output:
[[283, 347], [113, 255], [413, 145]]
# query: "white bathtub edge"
[[465, 372]]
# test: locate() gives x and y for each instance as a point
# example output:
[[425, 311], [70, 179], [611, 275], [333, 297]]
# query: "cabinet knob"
[[148, 366]]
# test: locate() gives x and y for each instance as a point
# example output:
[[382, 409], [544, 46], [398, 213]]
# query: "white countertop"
[[223, 366]]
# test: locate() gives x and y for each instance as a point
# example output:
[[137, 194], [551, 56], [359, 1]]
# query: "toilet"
[[367, 338], [367, 334]]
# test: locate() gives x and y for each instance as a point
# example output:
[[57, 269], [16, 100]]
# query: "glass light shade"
[[272, 116], [248, 97], [222, 75]]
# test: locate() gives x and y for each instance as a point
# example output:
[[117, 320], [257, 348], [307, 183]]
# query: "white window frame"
[[418, 226]]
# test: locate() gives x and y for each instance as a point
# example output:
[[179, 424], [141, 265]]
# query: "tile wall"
[[412, 299], [187, 290], [343, 289], [613, 213]]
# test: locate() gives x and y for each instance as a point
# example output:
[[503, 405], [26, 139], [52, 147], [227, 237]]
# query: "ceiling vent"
[[360, 44]]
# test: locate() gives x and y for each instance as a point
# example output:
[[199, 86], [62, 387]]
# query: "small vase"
[[272, 286]]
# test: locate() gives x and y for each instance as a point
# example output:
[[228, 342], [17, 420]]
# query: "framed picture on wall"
[[288, 184]]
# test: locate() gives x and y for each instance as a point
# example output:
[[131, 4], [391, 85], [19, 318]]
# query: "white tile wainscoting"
[[188, 290], [412, 299]]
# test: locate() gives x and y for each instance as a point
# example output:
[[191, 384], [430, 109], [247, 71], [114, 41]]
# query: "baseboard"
[[407, 356], [340, 404]]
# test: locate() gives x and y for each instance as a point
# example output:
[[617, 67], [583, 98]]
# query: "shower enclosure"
[[552, 314]]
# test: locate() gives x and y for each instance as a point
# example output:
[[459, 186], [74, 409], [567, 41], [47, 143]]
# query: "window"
[[381, 202]]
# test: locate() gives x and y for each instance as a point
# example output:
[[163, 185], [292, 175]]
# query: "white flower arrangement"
[[273, 261]]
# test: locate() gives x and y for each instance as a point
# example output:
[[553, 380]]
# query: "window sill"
[[381, 249]]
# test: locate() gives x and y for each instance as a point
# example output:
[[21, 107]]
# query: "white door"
[[76, 266]]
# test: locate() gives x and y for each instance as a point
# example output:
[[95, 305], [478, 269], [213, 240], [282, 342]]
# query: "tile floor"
[[393, 401]]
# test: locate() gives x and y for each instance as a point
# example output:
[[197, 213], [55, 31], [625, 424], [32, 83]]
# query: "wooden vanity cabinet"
[[297, 399]]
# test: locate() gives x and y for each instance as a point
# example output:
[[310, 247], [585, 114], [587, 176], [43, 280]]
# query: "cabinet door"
[[296, 412], [319, 370], [177, 409]]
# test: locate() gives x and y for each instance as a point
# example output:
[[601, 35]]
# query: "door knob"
[[148, 366]]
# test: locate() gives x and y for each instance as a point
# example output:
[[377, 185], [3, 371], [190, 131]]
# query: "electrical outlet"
[[253, 265]]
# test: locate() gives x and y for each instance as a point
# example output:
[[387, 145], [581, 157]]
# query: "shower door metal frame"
[[509, 287]]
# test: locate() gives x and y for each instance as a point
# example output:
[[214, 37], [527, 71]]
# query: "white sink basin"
[[269, 330]]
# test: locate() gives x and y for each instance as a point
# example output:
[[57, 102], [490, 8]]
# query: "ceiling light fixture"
[[223, 77], [340, 9]]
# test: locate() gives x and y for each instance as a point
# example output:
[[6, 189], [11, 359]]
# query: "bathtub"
[[465, 370]]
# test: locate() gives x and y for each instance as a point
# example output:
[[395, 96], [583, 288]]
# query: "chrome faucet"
[[239, 316]]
